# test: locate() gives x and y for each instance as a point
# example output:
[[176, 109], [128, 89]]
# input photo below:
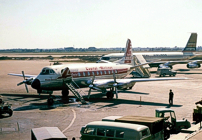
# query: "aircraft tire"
[[10, 112], [65, 93], [110, 95], [50, 101]]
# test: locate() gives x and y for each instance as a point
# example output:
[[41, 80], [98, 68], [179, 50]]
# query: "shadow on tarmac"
[[72, 102], [115, 102]]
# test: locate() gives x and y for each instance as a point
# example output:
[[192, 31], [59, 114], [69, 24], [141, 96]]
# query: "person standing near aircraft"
[[171, 94]]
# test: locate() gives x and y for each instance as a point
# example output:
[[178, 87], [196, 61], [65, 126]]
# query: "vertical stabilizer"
[[128, 55], [191, 44]]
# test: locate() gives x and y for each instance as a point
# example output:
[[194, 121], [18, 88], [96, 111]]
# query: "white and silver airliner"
[[167, 59]]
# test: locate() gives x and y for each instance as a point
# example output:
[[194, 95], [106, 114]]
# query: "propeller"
[[91, 86], [25, 81], [115, 84]]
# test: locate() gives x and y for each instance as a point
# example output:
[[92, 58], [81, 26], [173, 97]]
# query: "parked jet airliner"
[[99, 76], [168, 59]]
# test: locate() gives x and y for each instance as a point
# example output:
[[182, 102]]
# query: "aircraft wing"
[[124, 83], [21, 75]]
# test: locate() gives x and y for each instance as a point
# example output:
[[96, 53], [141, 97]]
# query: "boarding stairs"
[[76, 90], [142, 70]]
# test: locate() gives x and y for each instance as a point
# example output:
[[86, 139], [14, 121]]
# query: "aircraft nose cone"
[[36, 84]]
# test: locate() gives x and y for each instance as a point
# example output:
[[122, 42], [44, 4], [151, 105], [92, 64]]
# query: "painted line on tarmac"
[[71, 121]]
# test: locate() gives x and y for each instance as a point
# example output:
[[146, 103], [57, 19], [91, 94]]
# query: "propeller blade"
[[26, 88], [89, 93], [116, 92], [23, 75], [20, 83], [91, 86], [93, 78], [25, 81], [115, 85], [114, 76]]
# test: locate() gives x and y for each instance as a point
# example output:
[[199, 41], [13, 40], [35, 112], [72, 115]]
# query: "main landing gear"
[[50, 100], [65, 94], [110, 94]]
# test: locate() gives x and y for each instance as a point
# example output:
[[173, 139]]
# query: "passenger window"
[[89, 131], [84, 74], [115, 71], [105, 72], [100, 72], [119, 134], [97, 72], [88, 73], [93, 73], [101, 132], [109, 132], [79, 74], [109, 71]]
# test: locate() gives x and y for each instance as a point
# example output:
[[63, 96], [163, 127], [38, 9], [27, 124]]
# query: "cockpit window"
[[105, 58], [46, 71], [52, 72]]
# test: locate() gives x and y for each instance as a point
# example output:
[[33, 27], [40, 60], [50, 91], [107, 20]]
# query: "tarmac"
[[32, 111]]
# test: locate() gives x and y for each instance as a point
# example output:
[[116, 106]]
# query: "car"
[[5, 108], [165, 71]]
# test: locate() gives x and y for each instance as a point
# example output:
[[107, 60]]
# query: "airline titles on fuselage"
[[98, 68]]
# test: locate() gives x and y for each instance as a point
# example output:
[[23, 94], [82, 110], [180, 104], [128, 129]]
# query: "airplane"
[[98, 76], [168, 59]]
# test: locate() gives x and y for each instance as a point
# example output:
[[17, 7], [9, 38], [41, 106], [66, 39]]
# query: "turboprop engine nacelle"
[[193, 65]]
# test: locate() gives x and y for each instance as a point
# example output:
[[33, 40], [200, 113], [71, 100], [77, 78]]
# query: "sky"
[[98, 23]]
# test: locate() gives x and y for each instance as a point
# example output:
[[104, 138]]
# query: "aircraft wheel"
[[10, 112], [50, 101], [110, 95], [131, 87], [65, 93]]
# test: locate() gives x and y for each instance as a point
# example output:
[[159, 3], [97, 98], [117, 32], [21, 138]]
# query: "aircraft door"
[[66, 74]]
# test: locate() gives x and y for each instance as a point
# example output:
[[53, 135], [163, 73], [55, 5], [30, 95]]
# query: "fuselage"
[[150, 56], [52, 77]]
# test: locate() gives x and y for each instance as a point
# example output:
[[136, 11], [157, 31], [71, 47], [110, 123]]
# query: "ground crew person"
[[171, 97]]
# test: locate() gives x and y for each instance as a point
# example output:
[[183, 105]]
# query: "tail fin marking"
[[191, 44]]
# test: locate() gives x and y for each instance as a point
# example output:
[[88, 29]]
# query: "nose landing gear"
[[50, 100]]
